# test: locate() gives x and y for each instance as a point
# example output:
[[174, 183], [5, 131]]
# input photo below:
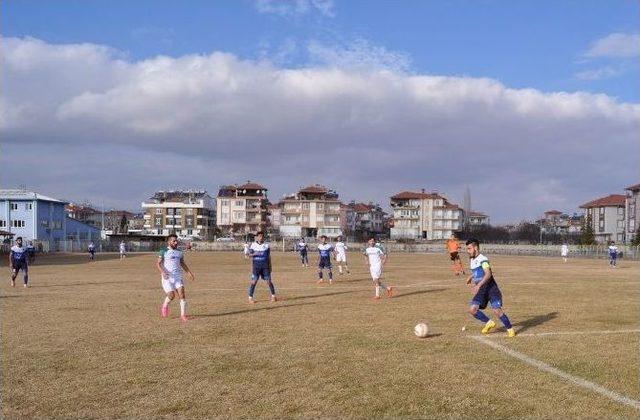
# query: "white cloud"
[[359, 54], [606, 72], [616, 45], [82, 116], [292, 8]]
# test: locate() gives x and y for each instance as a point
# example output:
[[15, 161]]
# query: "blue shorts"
[[324, 263], [17, 266], [263, 273], [488, 293], [613, 256]]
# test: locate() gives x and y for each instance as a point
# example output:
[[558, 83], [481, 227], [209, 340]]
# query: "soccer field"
[[87, 341]]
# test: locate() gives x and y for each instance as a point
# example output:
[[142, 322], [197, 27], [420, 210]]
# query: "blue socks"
[[505, 321], [480, 316]]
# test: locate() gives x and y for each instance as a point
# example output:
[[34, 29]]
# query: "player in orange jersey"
[[453, 247]]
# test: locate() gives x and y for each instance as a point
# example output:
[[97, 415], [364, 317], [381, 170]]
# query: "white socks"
[[183, 307], [377, 291], [166, 301], [340, 268]]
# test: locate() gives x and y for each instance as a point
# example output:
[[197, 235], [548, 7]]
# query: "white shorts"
[[171, 284], [376, 271], [565, 254], [341, 257]]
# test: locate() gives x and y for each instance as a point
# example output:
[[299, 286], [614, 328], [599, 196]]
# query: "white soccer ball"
[[421, 330]]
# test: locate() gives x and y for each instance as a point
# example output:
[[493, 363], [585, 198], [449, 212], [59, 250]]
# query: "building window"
[[320, 206], [17, 223], [239, 203], [178, 212], [158, 221], [189, 212], [3, 223], [158, 211], [620, 223], [13, 206], [28, 206], [159, 231], [224, 202], [189, 231]]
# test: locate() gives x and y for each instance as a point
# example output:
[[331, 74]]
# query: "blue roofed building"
[[37, 217]]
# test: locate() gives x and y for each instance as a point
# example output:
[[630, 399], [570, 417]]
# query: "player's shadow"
[[79, 258], [535, 321], [252, 309], [419, 292], [322, 295], [96, 283]]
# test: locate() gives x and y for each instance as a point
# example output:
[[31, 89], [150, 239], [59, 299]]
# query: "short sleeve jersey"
[[91, 247], [374, 254], [341, 248], [18, 254], [123, 247], [613, 250], [171, 259], [325, 251], [261, 254], [478, 265], [302, 246]]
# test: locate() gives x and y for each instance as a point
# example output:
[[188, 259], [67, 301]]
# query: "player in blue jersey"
[[324, 259], [18, 260], [260, 254], [303, 249], [486, 290]]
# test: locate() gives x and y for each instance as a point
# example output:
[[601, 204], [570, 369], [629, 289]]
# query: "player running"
[[170, 264], [123, 250], [324, 259], [18, 260], [92, 251], [564, 252], [486, 290], [376, 259], [340, 254], [260, 253], [303, 249], [613, 255], [453, 246]]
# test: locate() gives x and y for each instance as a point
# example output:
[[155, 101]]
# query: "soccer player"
[[123, 250], [31, 252], [260, 253], [340, 254], [453, 246], [486, 290], [92, 251], [324, 259], [245, 250], [170, 264], [613, 255], [18, 261], [564, 251], [303, 249], [376, 259]]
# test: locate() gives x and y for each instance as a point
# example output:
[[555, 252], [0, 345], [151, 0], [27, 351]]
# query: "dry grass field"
[[87, 341]]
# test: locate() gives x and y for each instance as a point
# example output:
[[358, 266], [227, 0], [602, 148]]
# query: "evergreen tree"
[[587, 236], [636, 239]]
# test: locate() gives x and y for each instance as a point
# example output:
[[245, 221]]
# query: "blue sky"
[[367, 97], [537, 44]]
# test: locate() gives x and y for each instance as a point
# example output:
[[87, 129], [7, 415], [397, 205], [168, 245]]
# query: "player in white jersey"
[[564, 251], [340, 254], [123, 250], [376, 259], [170, 264], [245, 250], [613, 255]]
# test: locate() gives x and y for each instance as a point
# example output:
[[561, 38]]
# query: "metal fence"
[[289, 245]]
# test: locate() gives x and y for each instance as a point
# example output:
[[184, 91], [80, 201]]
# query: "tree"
[[636, 239], [123, 224], [529, 232], [587, 236]]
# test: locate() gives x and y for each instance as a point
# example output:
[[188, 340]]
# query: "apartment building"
[[364, 219], [311, 212], [632, 211], [242, 209], [476, 218], [424, 215], [607, 217], [189, 214]]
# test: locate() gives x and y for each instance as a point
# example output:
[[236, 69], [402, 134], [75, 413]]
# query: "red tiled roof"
[[477, 214], [251, 186], [553, 212], [407, 195], [633, 188], [612, 200], [315, 189], [361, 207]]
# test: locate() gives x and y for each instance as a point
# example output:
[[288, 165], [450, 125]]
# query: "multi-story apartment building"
[[34, 216], [313, 211], [117, 221], [242, 209], [274, 216], [607, 217], [364, 219], [424, 215], [476, 218], [632, 211], [85, 214], [189, 214]]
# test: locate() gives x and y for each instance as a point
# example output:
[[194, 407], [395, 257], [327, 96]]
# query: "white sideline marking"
[[570, 333], [566, 376]]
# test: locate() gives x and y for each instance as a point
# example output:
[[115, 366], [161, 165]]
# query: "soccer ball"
[[421, 330]]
